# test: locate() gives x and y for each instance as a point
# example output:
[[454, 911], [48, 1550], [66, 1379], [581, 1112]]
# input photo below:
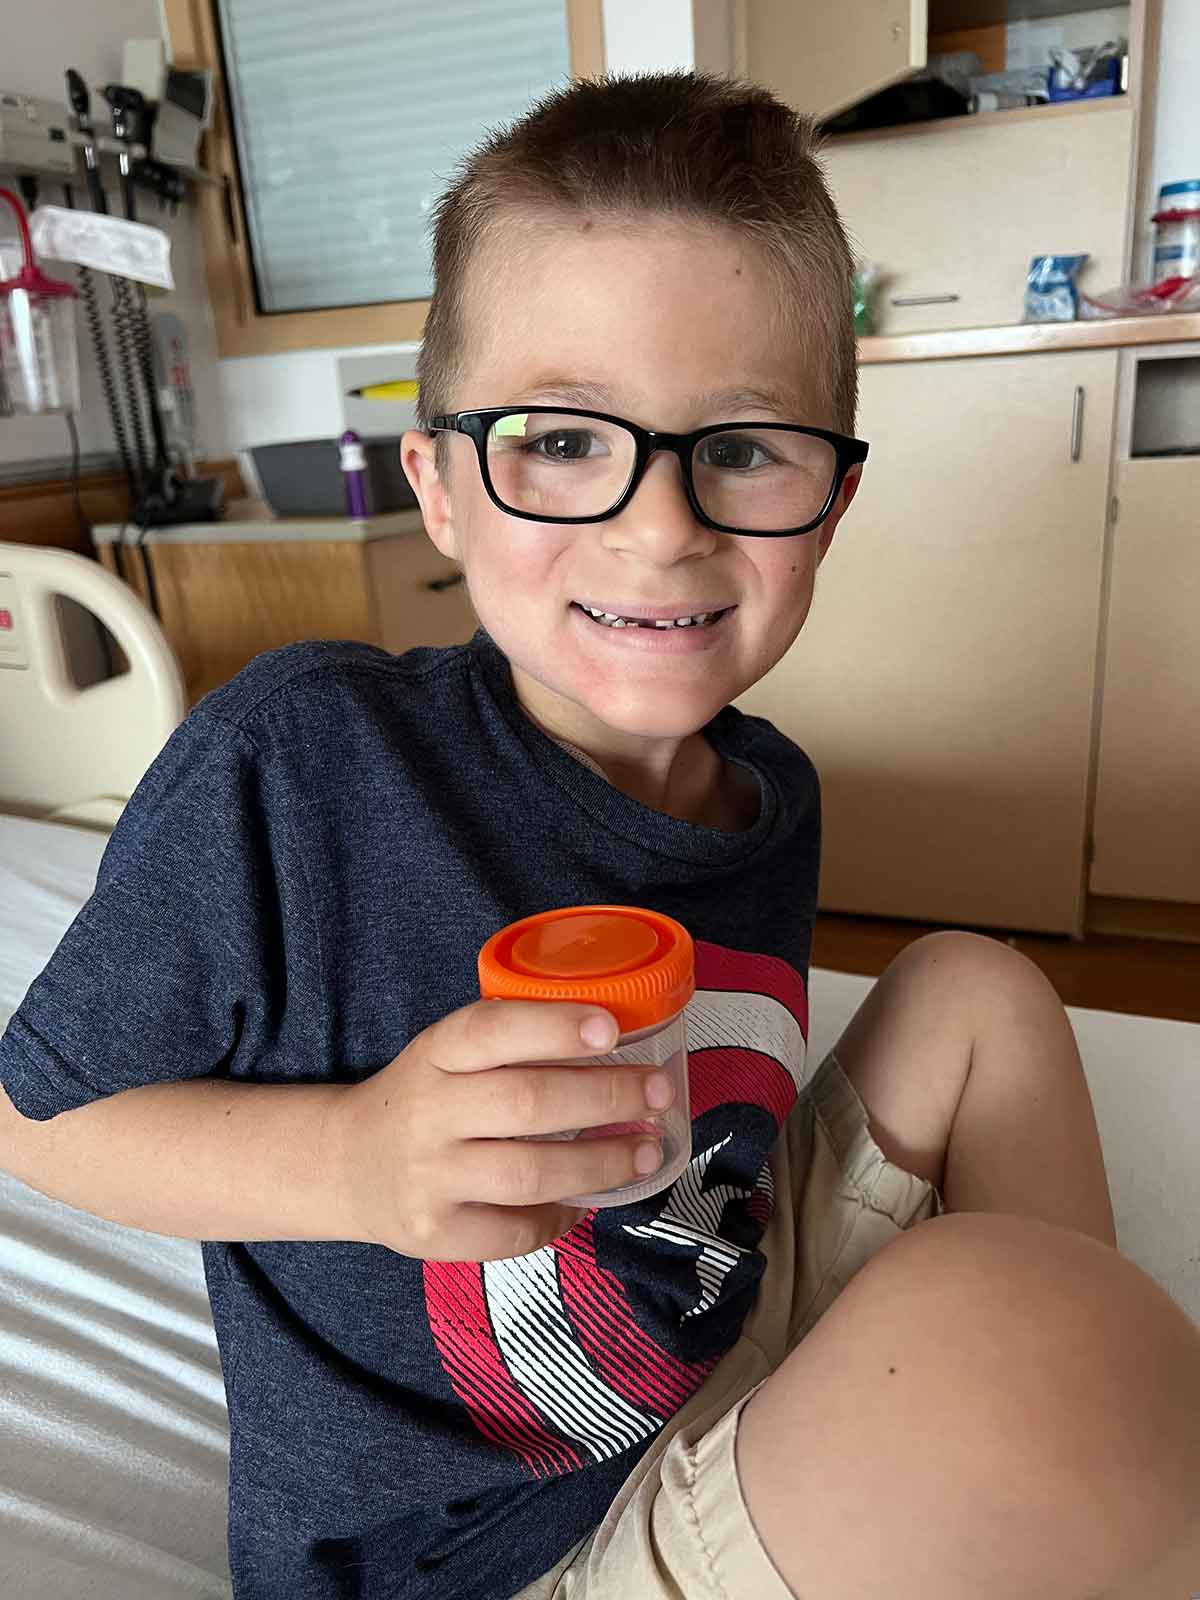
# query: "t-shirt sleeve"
[[175, 967]]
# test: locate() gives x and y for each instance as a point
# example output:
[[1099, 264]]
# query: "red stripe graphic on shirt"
[[461, 1328], [736, 970], [724, 1077], [628, 1359], [545, 1351]]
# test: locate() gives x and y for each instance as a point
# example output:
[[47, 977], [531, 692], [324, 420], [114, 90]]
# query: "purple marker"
[[354, 474]]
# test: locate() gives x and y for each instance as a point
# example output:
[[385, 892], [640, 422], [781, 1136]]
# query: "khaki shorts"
[[679, 1526]]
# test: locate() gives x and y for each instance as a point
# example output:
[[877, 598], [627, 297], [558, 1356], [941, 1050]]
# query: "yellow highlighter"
[[400, 389]]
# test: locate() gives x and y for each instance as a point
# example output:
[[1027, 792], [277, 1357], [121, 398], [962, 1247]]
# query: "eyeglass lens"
[[759, 479]]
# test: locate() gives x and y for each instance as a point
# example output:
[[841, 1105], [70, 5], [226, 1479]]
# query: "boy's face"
[[656, 316]]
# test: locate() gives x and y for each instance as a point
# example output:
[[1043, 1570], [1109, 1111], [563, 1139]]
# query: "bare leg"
[[998, 1406], [994, 1408], [965, 1060]]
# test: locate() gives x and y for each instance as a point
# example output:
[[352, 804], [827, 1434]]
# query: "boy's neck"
[[699, 788], [686, 779]]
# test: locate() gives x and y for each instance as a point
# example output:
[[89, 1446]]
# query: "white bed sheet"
[[113, 1431], [114, 1442]]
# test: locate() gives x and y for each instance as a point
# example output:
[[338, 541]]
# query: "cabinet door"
[[1147, 824], [943, 683], [822, 58], [418, 597], [962, 210]]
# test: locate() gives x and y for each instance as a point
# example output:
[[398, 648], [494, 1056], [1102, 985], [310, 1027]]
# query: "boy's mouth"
[[662, 622]]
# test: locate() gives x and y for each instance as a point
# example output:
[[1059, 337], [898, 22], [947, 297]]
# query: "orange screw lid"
[[637, 964]]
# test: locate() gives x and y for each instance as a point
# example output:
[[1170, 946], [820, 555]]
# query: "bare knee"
[[959, 956], [1014, 1309], [1028, 1382]]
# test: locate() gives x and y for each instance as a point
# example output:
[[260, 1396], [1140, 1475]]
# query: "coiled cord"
[[144, 341], [125, 330], [95, 322]]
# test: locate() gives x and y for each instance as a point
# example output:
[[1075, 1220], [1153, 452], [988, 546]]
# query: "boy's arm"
[[201, 1159], [447, 1153]]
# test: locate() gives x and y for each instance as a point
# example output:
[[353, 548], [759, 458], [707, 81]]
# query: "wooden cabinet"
[[954, 210], [227, 591], [981, 198], [1147, 823], [943, 683], [825, 58]]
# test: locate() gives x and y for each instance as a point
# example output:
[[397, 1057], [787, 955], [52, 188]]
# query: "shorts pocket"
[[851, 1200]]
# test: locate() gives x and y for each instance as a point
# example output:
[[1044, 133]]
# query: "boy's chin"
[[653, 712], [679, 718]]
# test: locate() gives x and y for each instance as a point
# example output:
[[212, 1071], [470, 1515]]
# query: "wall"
[[643, 38], [52, 36]]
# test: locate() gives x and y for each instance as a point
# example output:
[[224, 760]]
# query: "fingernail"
[[659, 1091], [599, 1032], [647, 1157]]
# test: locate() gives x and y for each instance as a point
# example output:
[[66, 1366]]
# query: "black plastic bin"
[[304, 479]]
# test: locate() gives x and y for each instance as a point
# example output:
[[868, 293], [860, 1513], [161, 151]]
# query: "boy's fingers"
[[494, 1033], [512, 1101], [496, 1233], [536, 1173]]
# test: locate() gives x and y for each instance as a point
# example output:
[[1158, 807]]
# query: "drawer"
[[417, 596], [961, 210]]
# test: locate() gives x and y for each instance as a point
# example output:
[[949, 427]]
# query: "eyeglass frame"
[[477, 424]]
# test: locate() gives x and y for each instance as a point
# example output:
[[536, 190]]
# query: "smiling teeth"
[[612, 621]]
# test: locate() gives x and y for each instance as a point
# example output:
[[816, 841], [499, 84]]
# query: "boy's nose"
[[658, 524]]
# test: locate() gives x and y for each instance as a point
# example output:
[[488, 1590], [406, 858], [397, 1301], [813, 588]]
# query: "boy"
[[442, 1380]]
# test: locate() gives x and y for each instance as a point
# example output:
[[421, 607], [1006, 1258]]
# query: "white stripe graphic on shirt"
[[691, 1218], [728, 1019], [529, 1319], [539, 1348]]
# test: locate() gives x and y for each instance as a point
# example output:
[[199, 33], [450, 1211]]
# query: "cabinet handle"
[[230, 213], [923, 299], [438, 584], [1077, 424]]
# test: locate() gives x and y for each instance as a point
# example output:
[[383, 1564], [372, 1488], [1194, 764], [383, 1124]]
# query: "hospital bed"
[[113, 1436]]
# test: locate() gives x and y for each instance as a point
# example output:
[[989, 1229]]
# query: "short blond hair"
[[688, 146]]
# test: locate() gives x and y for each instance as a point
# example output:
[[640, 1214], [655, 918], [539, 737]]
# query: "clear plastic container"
[[640, 966], [39, 359]]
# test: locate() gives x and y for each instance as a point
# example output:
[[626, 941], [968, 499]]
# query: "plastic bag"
[[1134, 300], [866, 281], [108, 244], [1087, 72], [1050, 292]]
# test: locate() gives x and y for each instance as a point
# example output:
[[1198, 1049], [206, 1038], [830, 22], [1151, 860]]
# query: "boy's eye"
[[732, 451], [565, 444]]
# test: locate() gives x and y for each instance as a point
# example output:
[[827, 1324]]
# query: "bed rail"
[[71, 748]]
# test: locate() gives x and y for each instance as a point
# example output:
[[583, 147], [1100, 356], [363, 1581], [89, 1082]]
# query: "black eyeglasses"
[[557, 464]]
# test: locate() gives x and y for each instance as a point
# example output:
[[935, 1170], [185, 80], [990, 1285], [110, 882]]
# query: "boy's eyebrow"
[[583, 393]]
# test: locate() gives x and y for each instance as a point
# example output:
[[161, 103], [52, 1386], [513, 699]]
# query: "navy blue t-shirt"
[[300, 885]]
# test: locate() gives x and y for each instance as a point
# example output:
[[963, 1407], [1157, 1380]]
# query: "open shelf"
[[947, 16], [1166, 410], [1062, 108], [1020, 338]]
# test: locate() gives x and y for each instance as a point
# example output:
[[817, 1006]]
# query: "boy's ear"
[[420, 468], [846, 493]]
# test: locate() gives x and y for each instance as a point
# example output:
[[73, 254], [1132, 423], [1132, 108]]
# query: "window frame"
[[241, 328]]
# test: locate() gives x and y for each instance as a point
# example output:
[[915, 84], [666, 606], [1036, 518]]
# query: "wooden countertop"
[[1026, 338], [247, 523]]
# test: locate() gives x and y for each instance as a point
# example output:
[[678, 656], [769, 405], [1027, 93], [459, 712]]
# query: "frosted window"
[[349, 119]]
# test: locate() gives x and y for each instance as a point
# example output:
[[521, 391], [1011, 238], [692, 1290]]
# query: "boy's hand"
[[427, 1153]]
